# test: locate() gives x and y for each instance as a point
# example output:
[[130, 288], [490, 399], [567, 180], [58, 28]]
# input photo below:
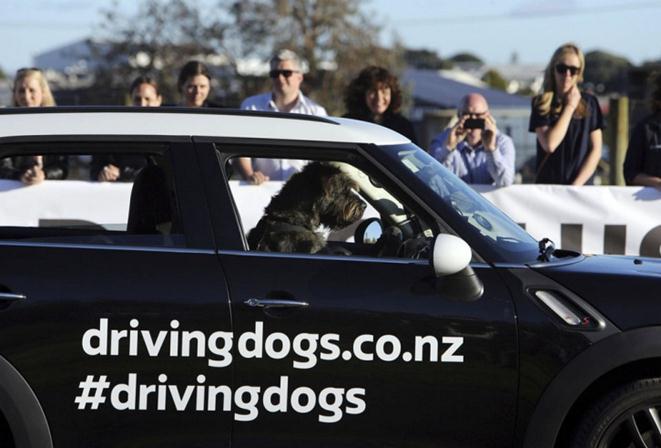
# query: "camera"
[[474, 123]]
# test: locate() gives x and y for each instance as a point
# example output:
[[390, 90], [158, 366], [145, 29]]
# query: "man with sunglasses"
[[286, 96], [473, 148]]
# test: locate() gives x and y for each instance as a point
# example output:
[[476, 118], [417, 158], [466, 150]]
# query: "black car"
[[139, 314]]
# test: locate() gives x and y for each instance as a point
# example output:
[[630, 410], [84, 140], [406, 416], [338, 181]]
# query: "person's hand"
[[109, 173], [572, 98], [257, 178], [456, 134], [33, 176], [489, 134]]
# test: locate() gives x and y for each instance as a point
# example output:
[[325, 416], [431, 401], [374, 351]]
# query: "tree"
[[159, 39], [495, 80], [334, 37], [425, 59], [606, 72], [466, 57]]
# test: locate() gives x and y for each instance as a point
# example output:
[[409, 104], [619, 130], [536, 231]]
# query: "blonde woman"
[[31, 90], [567, 122]]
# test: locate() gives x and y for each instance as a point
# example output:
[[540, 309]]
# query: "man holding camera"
[[474, 149]]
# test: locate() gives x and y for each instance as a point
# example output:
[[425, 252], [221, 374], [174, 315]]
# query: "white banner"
[[55, 200], [590, 219], [619, 220]]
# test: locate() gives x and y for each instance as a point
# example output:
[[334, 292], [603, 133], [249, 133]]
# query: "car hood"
[[627, 290]]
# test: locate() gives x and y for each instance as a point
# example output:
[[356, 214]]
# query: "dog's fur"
[[319, 195]]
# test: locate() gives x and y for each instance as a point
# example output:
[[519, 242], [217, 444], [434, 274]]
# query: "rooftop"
[[429, 87]]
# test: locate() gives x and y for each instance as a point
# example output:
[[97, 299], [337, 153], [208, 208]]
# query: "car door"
[[358, 351], [118, 333]]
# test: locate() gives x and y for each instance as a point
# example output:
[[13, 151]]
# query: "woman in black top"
[[642, 165], [567, 122], [375, 96]]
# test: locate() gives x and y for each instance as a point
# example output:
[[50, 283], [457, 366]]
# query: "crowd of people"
[[567, 122]]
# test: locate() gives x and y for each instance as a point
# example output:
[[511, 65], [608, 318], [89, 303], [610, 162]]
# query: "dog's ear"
[[299, 192]]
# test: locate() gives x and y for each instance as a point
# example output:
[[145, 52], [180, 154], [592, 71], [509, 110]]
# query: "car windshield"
[[506, 240]]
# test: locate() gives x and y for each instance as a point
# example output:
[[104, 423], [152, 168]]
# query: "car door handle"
[[275, 303], [11, 297]]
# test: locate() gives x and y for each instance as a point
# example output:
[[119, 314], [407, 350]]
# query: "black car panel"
[[159, 325]]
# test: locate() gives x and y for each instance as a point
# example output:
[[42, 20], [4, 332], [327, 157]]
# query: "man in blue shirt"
[[473, 148]]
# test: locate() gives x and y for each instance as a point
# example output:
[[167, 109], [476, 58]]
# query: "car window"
[[493, 227], [327, 207], [104, 197]]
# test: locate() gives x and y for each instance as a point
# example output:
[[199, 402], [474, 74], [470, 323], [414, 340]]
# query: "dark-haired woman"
[[642, 165], [375, 96], [125, 167], [194, 84], [144, 92]]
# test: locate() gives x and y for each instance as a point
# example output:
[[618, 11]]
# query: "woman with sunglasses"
[[31, 90], [567, 122]]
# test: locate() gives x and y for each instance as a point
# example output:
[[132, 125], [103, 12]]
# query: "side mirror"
[[455, 278], [451, 254], [369, 231]]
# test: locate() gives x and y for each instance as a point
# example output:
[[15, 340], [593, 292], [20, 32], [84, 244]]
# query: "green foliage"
[[495, 80], [334, 36], [466, 57], [606, 72], [166, 34], [3, 75]]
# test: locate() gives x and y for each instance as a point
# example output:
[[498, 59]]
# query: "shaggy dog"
[[321, 194]]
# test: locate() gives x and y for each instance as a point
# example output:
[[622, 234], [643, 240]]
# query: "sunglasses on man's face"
[[23, 70], [286, 73], [561, 69]]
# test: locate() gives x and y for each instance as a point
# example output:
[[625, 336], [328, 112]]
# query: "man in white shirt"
[[286, 96]]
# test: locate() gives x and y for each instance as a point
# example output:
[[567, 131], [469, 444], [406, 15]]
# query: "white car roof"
[[60, 121]]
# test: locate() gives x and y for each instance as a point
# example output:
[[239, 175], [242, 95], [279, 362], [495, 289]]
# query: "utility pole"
[[619, 137]]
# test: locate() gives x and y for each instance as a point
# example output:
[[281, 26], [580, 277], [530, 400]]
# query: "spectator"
[[194, 84], [567, 122], [125, 167], [473, 148], [642, 165], [31, 90], [144, 92], [375, 96], [286, 96]]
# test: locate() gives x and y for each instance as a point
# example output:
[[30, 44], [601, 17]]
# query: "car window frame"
[[178, 153], [234, 240]]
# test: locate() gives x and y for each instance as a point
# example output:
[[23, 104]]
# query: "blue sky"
[[492, 29]]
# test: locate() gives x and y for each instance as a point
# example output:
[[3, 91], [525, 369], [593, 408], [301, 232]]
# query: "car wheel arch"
[[620, 357], [22, 410]]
